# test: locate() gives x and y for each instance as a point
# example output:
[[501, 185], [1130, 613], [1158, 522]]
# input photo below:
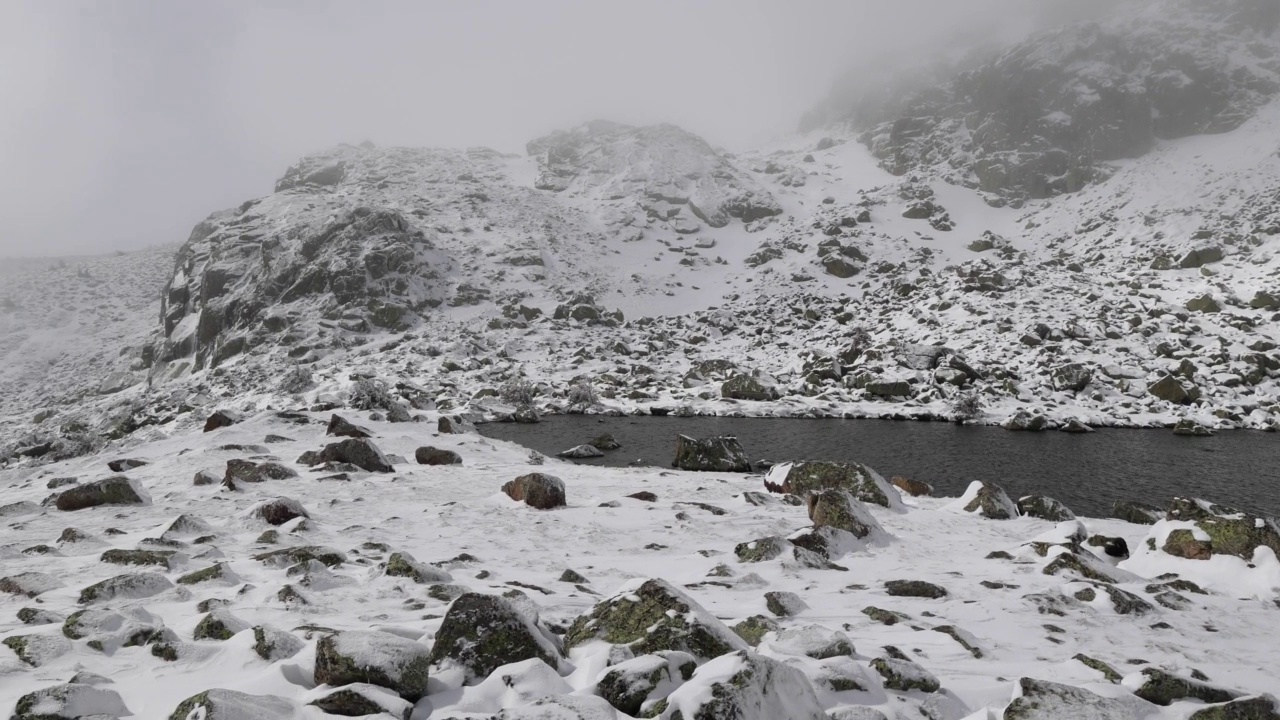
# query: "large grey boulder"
[[1043, 700], [131, 586], [714, 454], [70, 702], [1230, 531], [483, 632], [377, 658], [635, 685], [118, 490], [360, 452], [865, 484]]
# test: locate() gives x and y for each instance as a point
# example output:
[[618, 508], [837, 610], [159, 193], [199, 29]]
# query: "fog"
[[125, 123]]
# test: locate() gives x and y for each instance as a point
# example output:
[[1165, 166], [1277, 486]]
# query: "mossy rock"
[[131, 586], [1107, 671], [1136, 512], [1162, 688], [753, 629], [862, 482], [295, 555], [1043, 700], [1262, 707], [713, 454], [838, 509], [401, 564], [651, 617], [162, 558], [1183, 543], [219, 571], [761, 550], [377, 658], [904, 675], [1230, 531], [884, 617], [483, 632], [360, 700], [219, 625], [272, 644]]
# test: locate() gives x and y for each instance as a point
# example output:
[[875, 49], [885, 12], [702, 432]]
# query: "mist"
[[126, 123]]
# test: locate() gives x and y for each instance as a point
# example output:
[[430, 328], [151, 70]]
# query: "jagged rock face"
[[671, 175], [1045, 117]]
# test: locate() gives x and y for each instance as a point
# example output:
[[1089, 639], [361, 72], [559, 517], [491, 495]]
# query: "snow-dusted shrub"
[[536, 458], [967, 405], [297, 380], [583, 393], [369, 394], [517, 391]]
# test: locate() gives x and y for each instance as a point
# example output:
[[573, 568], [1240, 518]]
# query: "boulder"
[[988, 500], [914, 588], [483, 632], [401, 564], [1044, 700], [341, 427], [1171, 389], [221, 419], [374, 657], [219, 704], [219, 624], [537, 490], [1200, 257], [635, 685], [29, 584], [107, 630], [865, 484], [1229, 531], [131, 586], [206, 477], [784, 604], [118, 490], [888, 388], [37, 650], [912, 487], [1136, 512], [839, 509], [1204, 304], [904, 675], [454, 425], [272, 644], [1023, 421], [581, 451], [748, 387], [1162, 688], [1072, 377], [360, 700], [605, 442], [1261, 707], [436, 456], [278, 511], [125, 464], [649, 616], [713, 454], [561, 707], [1045, 508], [811, 641], [360, 452], [70, 702], [742, 685], [247, 471]]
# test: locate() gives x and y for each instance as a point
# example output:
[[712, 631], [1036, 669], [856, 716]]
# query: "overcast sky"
[[124, 123]]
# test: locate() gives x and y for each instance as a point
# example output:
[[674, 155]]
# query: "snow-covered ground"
[[1018, 620]]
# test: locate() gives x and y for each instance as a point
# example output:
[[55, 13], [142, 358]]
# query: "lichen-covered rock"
[[483, 632], [295, 555], [1163, 688], [904, 675], [743, 685], [360, 452], [562, 707], [813, 641], [1262, 707], [118, 490], [273, 644], [911, 486], [1045, 508], [107, 630], [784, 604], [70, 702], [1072, 377], [865, 484], [988, 500], [838, 508], [635, 685], [36, 650], [29, 584], [373, 657], [1229, 531], [401, 564], [1085, 565], [580, 452], [713, 454], [537, 490], [219, 704], [219, 572], [1044, 700], [649, 616], [1184, 543], [221, 419], [219, 624], [754, 628], [748, 387], [914, 588], [131, 586], [247, 471], [436, 456], [359, 700]]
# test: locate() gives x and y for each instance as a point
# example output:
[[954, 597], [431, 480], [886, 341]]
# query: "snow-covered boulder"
[[483, 632], [219, 704], [636, 685], [118, 490], [713, 454], [986, 499], [838, 508], [865, 484], [374, 657], [72, 700], [744, 685]]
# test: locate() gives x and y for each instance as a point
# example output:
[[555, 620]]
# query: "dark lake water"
[[1087, 472]]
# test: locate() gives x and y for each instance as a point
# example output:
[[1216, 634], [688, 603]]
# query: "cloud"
[[128, 122]]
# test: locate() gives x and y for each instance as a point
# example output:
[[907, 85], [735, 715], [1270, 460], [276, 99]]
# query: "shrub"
[[369, 394], [967, 405], [297, 380], [518, 391], [583, 393]]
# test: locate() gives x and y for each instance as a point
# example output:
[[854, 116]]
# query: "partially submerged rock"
[[714, 454], [580, 452]]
